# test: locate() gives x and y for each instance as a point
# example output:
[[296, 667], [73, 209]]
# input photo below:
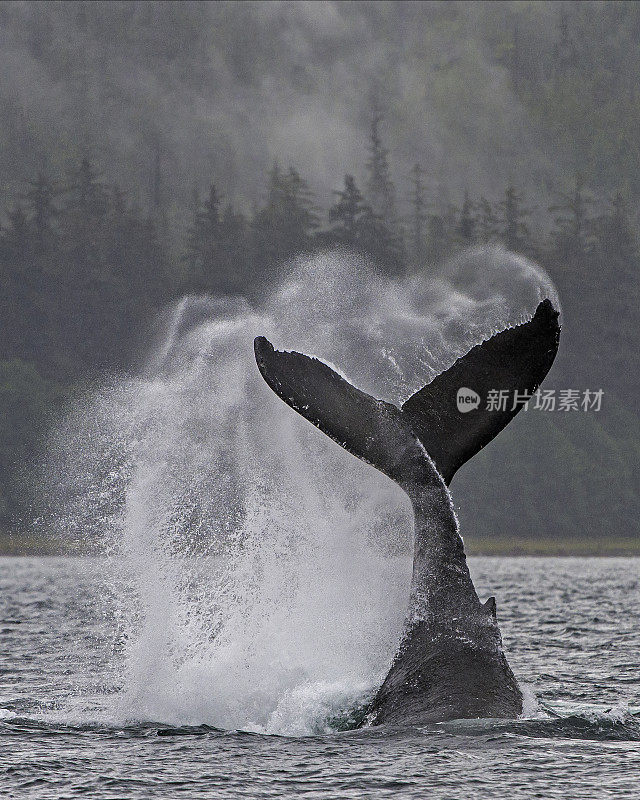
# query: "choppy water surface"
[[70, 727], [254, 576]]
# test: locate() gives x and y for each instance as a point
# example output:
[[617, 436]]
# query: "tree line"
[[83, 269]]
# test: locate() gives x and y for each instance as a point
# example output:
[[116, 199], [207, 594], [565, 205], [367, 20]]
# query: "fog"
[[523, 118], [224, 89]]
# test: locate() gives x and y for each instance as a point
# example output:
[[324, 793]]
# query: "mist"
[[221, 90], [157, 151]]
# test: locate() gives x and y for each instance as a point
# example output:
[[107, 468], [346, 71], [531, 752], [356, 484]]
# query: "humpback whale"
[[450, 663]]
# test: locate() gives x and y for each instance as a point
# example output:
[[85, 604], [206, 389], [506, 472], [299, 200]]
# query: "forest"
[[87, 259]]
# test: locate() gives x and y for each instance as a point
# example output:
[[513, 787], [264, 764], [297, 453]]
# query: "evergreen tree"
[[385, 244], [564, 56], [117, 204], [43, 212], [573, 233], [17, 289], [233, 271], [615, 238], [268, 243], [348, 213], [442, 227], [29, 254], [515, 233], [438, 240], [17, 234], [191, 250], [356, 225], [384, 236], [466, 228], [515, 64], [487, 223], [118, 224], [143, 274], [203, 247], [380, 190], [156, 184], [88, 305], [158, 208], [285, 225], [84, 216], [300, 214], [88, 193]]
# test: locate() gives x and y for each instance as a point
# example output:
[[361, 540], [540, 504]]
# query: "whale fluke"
[[371, 429], [515, 360], [450, 663]]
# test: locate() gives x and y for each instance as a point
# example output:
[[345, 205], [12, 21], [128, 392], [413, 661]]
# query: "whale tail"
[[450, 663], [500, 373]]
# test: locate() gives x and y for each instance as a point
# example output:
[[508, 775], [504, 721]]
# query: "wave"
[[257, 575]]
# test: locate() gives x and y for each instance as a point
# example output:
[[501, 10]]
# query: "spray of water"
[[260, 574]]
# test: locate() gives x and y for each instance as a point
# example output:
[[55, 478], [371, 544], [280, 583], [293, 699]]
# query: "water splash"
[[260, 573]]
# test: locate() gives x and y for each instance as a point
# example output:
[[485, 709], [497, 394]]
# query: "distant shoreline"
[[24, 544], [552, 548]]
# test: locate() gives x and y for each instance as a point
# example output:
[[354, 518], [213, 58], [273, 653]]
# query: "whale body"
[[450, 663]]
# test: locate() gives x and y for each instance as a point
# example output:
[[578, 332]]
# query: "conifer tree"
[[17, 288], [232, 277], [88, 193], [385, 244], [466, 228], [158, 208], [43, 212], [573, 233], [118, 203], [347, 214], [356, 225], [203, 243], [84, 215], [117, 235], [564, 56], [266, 227], [16, 234], [380, 189], [90, 307], [301, 219], [487, 223], [515, 65], [615, 238], [38, 292], [286, 224], [438, 240], [515, 233]]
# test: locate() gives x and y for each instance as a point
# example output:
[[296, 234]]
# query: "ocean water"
[[73, 724], [254, 576]]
